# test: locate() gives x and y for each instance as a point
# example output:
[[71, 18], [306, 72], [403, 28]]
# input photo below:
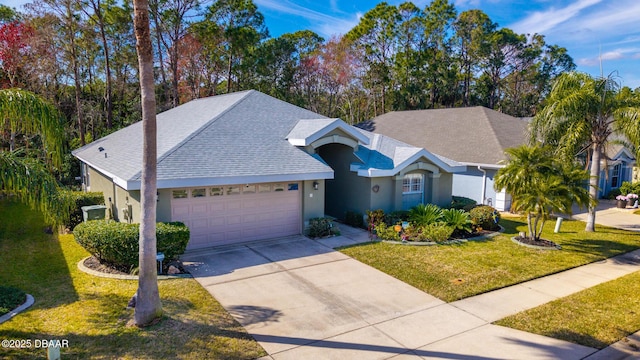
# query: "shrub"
[[613, 194], [116, 244], [354, 218], [486, 217], [385, 232], [375, 217], [461, 202], [10, 298], [437, 232], [629, 188], [396, 217], [320, 227], [459, 220], [421, 215], [80, 199]]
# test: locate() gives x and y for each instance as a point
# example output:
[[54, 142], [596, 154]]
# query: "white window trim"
[[412, 178]]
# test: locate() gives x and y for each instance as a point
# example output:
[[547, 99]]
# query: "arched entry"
[[342, 192]]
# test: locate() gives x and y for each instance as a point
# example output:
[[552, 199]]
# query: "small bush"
[[629, 188], [613, 193], [321, 227], [375, 217], [354, 218], [422, 215], [385, 232], [80, 199], [10, 298], [396, 217], [485, 217], [459, 220], [461, 202], [437, 232], [116, 244]]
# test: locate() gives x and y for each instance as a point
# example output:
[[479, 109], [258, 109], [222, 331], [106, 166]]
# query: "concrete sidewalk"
[[301, 299], [608, 214]]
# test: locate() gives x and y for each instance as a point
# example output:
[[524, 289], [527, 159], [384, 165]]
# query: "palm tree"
[[539, 185], [27, 178], [148, 306], [580, 115]]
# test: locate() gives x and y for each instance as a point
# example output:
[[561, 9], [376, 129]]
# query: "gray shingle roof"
[[467, 135], [209, 140]]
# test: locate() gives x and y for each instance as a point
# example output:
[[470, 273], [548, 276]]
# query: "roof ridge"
[[206, 124], [491, 124]]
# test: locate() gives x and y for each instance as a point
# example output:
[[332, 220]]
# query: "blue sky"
[[587, 28]]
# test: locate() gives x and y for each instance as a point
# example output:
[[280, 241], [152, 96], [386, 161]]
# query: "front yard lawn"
[[595, 317], [453, 272], [90, 312]]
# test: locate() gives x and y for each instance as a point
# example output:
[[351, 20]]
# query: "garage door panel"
[[218, 220]]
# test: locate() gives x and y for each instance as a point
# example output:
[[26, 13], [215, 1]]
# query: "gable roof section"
[[309, 130], [471, 136], [224, 139], [385, 156]]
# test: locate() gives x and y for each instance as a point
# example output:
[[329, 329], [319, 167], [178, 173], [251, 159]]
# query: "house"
[[246, 166], [618, 168], [473, 136]]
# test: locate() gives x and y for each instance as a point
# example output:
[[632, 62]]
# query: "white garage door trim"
[[230, 214]]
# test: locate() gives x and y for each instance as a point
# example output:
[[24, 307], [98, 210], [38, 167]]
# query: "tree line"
[[80, 55]]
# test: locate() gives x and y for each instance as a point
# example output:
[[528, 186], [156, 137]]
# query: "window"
[[180, 194], [249, 189], [264, 188], [197, 193], [292, 187], [233, 190], [412, 183], [216, 191], [278, 187], [615, 177]]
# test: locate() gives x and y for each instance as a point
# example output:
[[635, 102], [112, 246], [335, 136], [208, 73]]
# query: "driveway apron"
[[300, 299]]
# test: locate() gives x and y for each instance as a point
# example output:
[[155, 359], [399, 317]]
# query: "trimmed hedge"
[[321, 227], [80, 199], [116, 244]]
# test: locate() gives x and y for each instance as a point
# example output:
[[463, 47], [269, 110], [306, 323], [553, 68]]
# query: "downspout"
[[484, 184]]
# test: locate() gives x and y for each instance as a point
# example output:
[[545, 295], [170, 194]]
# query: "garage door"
[[230, 214]]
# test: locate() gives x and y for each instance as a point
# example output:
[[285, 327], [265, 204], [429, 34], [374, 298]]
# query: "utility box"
[[93, 212]]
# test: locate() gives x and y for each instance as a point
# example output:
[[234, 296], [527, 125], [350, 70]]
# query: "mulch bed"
[[540, 243], [93, 264]]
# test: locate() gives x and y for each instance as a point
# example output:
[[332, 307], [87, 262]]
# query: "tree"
[[148, 306], [539, 184], [27, 178], [580, 115]]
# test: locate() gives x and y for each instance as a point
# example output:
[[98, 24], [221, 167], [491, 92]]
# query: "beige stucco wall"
[[312, 201], [442, 188], [115, 197]]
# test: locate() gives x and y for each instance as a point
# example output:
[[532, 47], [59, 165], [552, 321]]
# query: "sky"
[[593, 31]]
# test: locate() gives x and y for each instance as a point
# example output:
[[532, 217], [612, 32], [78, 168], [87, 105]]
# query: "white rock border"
[[86, 270], [25, 305]]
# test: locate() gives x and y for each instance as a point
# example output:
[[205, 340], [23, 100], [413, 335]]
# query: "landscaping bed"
[[11, 298], [494, 263], [91, 312]]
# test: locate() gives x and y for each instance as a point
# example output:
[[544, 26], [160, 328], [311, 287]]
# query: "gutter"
[[484, 184]]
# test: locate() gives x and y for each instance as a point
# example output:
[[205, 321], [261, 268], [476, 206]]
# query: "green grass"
[[596, 317], [90, 312], [453, 272], [10, 298]]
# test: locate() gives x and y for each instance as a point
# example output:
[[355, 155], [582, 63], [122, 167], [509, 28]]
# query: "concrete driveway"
[[300, 299]]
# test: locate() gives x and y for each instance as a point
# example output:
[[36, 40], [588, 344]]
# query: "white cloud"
[[324, 24], [541, 21]]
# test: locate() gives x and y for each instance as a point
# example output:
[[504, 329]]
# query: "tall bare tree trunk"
[[148, 306], [593, 186]]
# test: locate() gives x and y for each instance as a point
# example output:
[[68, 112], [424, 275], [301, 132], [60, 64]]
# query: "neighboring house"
[[619, 168], [474, 136], [246, 166]]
